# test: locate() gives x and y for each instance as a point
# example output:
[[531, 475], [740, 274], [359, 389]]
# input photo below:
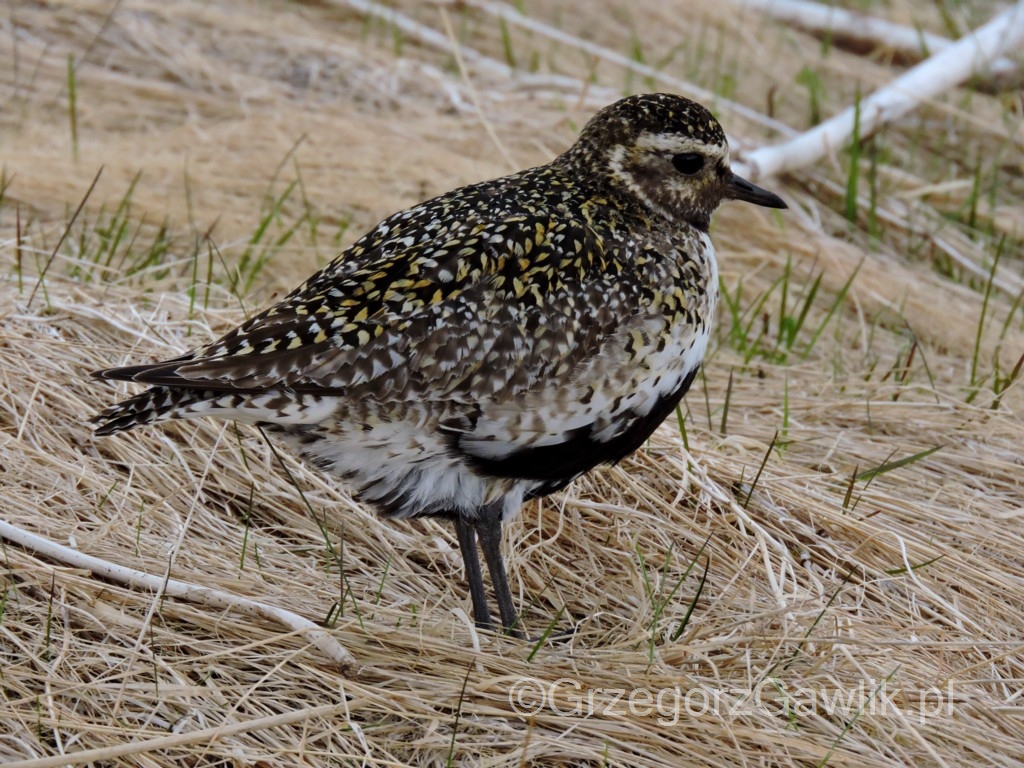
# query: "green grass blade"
[[888, 466]]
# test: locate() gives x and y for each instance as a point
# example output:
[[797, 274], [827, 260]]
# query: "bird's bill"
[[738, 188]]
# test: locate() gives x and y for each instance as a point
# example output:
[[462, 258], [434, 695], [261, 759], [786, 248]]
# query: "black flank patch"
[[560, 464]]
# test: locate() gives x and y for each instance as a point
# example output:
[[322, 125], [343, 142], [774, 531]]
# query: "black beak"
[[738, 188]]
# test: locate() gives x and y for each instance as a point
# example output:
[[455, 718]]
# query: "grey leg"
[[488, 528], [467, 543]]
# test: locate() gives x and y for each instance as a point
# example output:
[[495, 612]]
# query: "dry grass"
[[901, 595]]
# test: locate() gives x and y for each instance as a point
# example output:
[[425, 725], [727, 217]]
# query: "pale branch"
[[849, 27], [181, 590], [970, 55]]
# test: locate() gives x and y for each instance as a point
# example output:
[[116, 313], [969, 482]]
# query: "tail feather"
[[160, 372], [166, 401], [153, 405]]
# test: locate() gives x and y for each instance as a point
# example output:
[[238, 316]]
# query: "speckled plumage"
[[494, 343]]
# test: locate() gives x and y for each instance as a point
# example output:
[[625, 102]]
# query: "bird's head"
[[668, 154]]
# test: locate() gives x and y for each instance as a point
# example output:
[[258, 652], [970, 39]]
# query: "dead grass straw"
[[858, 604]]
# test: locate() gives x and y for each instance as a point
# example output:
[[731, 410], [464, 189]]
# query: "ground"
[[816, 563]]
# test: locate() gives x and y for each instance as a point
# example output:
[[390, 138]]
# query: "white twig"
[[858, 28], [181, 590], [970, 55]]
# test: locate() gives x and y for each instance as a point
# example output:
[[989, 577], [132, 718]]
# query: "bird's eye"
[[688, 163]]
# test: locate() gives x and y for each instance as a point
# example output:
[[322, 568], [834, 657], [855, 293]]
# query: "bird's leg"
[[488, 528], [467, 543]]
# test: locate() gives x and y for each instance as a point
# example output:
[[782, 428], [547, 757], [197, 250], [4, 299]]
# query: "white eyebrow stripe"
[[674, 142]]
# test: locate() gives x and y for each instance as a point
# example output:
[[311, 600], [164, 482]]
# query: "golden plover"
[[492, 344]]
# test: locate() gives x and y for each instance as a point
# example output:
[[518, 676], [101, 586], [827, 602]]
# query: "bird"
[[490, 345]]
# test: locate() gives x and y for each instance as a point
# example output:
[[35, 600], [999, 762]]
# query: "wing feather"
[[491, 305]]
